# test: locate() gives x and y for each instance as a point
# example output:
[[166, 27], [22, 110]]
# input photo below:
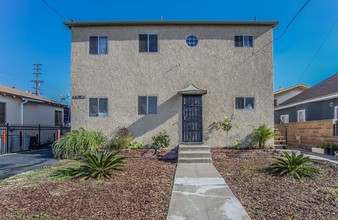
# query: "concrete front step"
[[194, 154], [194, 147], [194, 160]]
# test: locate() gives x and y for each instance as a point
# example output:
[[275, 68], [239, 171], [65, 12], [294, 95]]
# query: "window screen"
[[2, 113], [147, 105], [148, 42], [58, 117], [239, 102], [98, 45], [98, 107]]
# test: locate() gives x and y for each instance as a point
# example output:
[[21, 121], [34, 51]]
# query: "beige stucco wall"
[[33, 113], [215, 65]]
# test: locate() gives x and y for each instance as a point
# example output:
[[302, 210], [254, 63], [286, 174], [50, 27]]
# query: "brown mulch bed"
[[271, 197], [142, 191]]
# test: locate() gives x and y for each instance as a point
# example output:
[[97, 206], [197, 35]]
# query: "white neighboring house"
[[42, 119], [20, 107], [283, 95]]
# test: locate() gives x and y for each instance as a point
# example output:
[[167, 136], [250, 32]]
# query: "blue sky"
[[30, 32]]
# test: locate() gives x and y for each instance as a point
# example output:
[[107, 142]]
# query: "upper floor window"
[[191, 41], [147, 105], [335, 112], [98, 45], [2, 113], [244, 103], [243, 41], [58, 117], [98, 107], [301, 115], [148, 42], [284, 118]]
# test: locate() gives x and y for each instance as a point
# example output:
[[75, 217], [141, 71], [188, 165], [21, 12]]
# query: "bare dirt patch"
[[271, 197], [141, 192]]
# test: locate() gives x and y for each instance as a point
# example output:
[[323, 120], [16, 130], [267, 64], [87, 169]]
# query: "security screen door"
[[192, 118]]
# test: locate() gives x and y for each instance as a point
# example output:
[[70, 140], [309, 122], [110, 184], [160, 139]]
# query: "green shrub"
[[100, 165], [136, 145], [161, 140], [78, 142], [122, 139], [295, 165], [262, 134]]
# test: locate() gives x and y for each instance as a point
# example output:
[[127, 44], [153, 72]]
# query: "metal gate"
[[192, 118]]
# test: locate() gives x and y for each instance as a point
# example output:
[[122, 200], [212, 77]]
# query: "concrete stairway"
[[194, 154]]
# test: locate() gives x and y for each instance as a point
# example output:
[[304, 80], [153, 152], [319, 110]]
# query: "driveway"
[[12, 164]]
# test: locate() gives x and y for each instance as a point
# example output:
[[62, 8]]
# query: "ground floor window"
[[244, 102], [147, 105], [284, 118], [301, 115], [98, 107], [58, 117], [2, 112]]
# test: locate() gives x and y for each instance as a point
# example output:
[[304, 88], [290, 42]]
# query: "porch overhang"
[[192, 90]]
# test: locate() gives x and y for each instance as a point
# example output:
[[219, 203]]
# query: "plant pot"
[[318, 150], [326, 150], [332, 152]]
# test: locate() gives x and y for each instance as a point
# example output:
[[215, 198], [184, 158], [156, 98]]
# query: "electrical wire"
[[292, 20], [317, 51], [55, 11]]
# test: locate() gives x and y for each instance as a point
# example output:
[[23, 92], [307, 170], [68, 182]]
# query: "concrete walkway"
[[15, 163], [200, 193]]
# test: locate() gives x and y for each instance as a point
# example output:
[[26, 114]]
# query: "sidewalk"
[[200, 193]]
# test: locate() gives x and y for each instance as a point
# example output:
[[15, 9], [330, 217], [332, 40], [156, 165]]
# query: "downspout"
[[24, 101]]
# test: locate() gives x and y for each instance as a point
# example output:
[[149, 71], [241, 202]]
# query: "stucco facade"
[[215, 65]]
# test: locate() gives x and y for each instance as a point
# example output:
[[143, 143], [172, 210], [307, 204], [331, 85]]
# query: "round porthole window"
[[191, 41]]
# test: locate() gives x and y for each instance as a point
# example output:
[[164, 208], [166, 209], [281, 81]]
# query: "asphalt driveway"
[[12, 164]]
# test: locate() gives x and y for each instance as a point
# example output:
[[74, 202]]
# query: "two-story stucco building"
[[178, 76]]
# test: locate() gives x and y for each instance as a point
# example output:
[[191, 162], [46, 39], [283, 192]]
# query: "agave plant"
[[295, 165], [100, 165], [78, 142]]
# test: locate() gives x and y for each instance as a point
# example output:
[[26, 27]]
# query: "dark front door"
[[192, 118]]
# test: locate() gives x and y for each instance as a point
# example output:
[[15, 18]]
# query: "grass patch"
[[31, 179]]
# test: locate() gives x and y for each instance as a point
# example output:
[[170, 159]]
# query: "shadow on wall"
[[165, 111]]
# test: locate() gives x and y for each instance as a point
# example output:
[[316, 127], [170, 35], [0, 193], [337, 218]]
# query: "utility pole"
[[36, 68]]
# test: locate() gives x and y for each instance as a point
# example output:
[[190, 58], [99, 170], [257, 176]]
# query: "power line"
[[292, 20], [55, 11], [317, 51]]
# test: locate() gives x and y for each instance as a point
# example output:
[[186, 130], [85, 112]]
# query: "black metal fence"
[[16, 138]]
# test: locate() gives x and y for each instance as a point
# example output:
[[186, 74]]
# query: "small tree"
[[226, 125]]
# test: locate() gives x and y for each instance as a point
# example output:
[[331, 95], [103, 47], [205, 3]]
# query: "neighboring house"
[[177, 76], [311, 116], [20, 107], [283, 95]]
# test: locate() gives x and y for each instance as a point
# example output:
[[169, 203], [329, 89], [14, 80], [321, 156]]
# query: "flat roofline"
[[159, 23]]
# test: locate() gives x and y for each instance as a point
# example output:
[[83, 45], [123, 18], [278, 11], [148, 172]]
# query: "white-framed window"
[[98, 45], [335, 113], [191, 40], [58, 117], [301, 117], [243, 41], [148, 43], [98, 107], [2, 112], [245, 103], [284, 118], [147, 105]]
